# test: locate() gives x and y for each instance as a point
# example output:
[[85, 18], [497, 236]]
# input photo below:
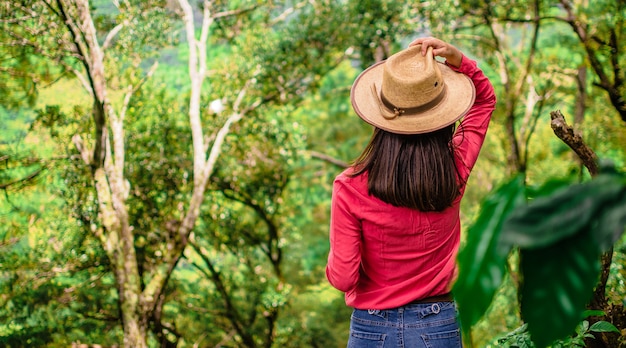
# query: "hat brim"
[[458, 99]]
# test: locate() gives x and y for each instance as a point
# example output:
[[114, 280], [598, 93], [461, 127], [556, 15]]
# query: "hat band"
[[396, 111]]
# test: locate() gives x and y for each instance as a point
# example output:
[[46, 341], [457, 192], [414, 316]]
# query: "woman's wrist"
[[455, 60]]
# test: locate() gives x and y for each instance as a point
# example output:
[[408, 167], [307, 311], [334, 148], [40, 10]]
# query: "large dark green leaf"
[[564, 213], [558, 282], [609, 226], [481, 263], [561, 237]]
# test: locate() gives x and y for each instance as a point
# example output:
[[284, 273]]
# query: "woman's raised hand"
[[440, 48]]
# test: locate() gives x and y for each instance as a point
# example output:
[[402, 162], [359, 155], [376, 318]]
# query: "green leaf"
[[561, 237], [481, 263], [546, 220], [609, 226], [549, 187], [558, 282], [603, 326]]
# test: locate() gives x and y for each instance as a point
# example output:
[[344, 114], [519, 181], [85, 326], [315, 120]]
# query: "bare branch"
[[289, 11], [85, 153], [130, 90], [234, 12], [241, 94], [18, 20], [574, 140], [71, 26], [196, 76], [204, 35], [324, 157], [191, 39], [111, 35], [83, 81], [51, 8], [22, 180], [214, 274]]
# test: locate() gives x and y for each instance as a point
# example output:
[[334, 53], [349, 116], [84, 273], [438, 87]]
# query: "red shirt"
[[384, 256]]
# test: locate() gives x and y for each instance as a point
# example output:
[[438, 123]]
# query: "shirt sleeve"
[[344, 258], [470, 134]]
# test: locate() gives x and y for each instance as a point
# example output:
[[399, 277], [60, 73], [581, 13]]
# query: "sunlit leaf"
[[603, 326]]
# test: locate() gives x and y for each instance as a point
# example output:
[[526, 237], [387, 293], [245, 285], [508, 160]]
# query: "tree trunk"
[[118, 243], [134, 322], [116, 236]]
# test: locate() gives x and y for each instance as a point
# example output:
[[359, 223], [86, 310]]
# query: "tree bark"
[[575, 141], [107, 165]]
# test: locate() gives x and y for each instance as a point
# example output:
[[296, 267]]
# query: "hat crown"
[[411, 94], [411, 79]]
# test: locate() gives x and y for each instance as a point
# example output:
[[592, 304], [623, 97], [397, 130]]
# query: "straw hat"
[[411, 94]]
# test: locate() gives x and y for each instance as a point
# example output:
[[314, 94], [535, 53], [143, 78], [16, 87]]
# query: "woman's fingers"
[[439, 47]]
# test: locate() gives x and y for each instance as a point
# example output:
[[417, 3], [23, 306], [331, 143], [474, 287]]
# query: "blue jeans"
[[429, 325]]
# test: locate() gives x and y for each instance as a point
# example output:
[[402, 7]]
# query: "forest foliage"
[[167, 168]]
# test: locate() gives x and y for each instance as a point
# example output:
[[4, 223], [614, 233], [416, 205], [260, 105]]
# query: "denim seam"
[[401, 314], [431, 323], [374, 323]]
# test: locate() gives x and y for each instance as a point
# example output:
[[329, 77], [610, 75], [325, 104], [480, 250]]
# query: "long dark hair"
[[416, 171]]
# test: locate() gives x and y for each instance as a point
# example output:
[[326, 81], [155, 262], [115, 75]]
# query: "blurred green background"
[[166, 166]]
